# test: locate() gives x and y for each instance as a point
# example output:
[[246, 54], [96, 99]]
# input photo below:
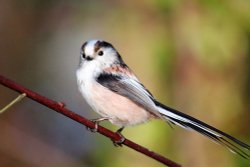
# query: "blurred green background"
[[192, 55]]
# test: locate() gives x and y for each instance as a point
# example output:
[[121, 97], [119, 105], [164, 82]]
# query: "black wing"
[[130, 88]]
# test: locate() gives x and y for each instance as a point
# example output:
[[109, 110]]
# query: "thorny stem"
[[56, 106]]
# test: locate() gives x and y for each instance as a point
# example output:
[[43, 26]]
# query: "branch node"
[[61, 104]]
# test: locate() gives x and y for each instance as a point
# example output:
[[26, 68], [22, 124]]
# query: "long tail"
[[188, 122]]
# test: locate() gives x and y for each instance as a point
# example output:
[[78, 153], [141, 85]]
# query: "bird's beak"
[[88, 58]]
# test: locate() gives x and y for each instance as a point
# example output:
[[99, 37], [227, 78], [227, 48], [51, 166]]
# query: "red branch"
[[58, 107]]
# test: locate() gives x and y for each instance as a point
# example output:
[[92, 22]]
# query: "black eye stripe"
[[83, 46], [102, 44]]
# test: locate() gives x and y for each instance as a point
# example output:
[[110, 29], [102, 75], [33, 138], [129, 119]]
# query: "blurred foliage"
[[193, 56]]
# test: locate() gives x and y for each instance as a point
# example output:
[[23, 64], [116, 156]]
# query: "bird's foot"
[[96, 122], [118, 143]]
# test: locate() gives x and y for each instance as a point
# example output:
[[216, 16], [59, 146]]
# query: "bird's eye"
[[83, 55], [100, 53]]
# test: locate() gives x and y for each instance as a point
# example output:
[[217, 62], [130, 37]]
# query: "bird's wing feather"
[[130, 88]]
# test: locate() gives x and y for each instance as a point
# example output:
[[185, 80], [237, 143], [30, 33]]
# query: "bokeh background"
[[193, 55]]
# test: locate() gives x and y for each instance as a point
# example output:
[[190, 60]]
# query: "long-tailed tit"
[[112, 90]]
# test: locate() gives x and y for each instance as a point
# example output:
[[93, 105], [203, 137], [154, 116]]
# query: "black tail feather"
[[216, 135]]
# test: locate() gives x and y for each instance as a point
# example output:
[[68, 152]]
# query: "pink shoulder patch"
[[117, 69]]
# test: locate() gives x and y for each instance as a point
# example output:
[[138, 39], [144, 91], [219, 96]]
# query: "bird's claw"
[[96, 122], [118, 143], [95, 129]]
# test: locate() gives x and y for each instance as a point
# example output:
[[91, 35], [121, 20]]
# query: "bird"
[[112, 90]]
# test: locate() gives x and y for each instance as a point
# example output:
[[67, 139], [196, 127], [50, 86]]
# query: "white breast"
[[120, 110]]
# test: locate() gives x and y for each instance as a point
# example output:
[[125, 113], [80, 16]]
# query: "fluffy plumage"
[[111, 89]]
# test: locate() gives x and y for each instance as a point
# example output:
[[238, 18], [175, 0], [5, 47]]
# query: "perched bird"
[[111, 88]]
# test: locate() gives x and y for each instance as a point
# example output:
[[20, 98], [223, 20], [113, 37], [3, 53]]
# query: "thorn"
[[19, 98]]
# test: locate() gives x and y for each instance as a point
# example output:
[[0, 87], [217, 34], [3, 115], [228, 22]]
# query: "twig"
[[58, 107], [19, 98]]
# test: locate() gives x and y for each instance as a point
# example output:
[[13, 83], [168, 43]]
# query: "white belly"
[[120, 110]]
